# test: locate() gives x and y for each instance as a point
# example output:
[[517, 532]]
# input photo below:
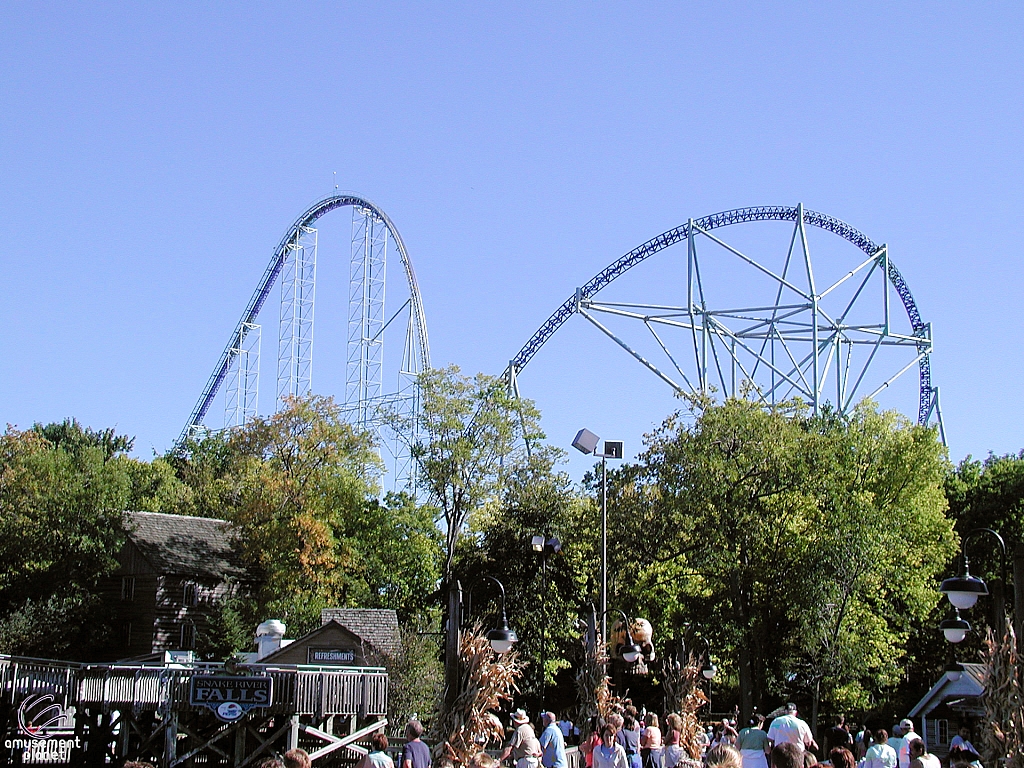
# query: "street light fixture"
[[586, 442], [954, 671], [708, 670], [964, 590], [630, 651], [956, 629], [501, 638]]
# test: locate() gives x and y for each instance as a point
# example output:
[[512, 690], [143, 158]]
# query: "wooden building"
[[954, 702], [348, 637], [172, 572]]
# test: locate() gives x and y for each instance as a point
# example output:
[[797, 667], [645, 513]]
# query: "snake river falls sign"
[[230, 697]]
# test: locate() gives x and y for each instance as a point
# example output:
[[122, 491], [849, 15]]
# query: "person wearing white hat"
[[523, 747], [907, 731]]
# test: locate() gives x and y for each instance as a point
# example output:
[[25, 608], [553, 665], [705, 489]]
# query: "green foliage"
[[416, 678], [155, 488], [71, 437], [880, 482], [471, 432], [988, 494], [60, 532], [301, 488], [805, 548]]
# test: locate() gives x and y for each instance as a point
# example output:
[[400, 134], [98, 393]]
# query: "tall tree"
[[301, 488], [805, 547], [879, 486], [471, 433], [63, 489]]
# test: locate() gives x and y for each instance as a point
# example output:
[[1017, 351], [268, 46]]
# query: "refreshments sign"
[[330, 655], [230, 696]]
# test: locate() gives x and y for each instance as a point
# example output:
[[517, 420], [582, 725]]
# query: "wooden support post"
[[170, 739], [239, 746], [451, 645], [96, 753], [81, 735], [293, 733], [124, 733]]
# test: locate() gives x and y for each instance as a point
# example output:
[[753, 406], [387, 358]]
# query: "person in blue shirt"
[[552, 743], [416, 754]]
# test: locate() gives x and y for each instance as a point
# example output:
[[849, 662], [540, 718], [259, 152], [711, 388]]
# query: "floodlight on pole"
[[586, 442], [544, 546]]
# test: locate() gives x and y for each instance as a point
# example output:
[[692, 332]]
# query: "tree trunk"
[[745, 660]]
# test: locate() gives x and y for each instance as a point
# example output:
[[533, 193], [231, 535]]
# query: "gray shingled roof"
[[184, 545], [377, 627]]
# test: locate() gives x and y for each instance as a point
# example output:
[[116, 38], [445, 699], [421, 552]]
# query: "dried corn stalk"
[[593, 687], [486, 680], [683, 694], [1003, 700]]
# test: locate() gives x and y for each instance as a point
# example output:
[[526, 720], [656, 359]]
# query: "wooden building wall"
[[150, 614]]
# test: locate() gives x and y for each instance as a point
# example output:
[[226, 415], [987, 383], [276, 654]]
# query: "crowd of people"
[[631, 739]]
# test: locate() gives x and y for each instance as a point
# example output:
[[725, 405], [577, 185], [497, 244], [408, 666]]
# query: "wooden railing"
[[312, 690], [21, 677]]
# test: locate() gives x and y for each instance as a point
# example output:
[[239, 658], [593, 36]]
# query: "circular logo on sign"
[[229, 710]]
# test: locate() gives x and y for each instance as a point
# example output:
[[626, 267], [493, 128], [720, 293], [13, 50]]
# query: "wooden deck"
[[311, 690], [143, 712], [303, 690]]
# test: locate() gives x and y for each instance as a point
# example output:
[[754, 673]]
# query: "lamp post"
[[954, 671], [630, 651], [545, 547], [964, 590], [501, 638], [586, 442]]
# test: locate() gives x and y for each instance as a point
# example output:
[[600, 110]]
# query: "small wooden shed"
[[949, 705], [348, 637]]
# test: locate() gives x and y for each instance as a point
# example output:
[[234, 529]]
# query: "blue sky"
[[151, 156]]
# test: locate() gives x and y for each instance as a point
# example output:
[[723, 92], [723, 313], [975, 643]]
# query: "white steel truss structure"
[[767, 323], [241, 397], [367, 285], [295, 335], [371, 400]]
